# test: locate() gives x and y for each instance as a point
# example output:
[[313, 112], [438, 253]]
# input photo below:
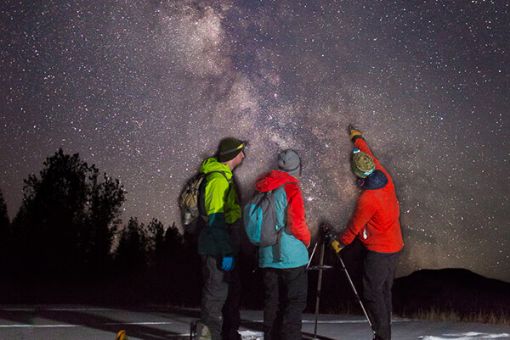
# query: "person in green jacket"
[[218, 244]]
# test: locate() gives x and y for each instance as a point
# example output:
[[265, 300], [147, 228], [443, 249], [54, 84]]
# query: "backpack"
[[260, 221], [191, 202]]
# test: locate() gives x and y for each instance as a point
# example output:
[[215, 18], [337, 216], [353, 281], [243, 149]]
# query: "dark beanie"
[[229, 148]]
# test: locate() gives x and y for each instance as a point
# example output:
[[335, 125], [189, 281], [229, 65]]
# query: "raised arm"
[[357, 139]]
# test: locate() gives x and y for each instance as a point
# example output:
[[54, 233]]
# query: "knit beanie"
[[289, 161], [362, 164], [229, 148]]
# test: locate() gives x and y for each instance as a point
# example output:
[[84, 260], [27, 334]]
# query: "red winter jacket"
[[296, 219], [375, 220]]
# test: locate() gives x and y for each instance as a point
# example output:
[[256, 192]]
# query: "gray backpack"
[[260, 222], [191, 202]]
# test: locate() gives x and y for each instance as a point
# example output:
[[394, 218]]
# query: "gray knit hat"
[[289, 161]]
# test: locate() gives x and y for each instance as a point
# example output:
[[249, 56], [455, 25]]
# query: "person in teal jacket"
[[284, 264], [218, 244]]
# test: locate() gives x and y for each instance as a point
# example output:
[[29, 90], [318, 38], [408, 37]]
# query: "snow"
[[467, 336], [251, 335], [83, 322]]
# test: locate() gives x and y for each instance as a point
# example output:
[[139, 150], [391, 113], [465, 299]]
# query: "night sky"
[[146, 89]]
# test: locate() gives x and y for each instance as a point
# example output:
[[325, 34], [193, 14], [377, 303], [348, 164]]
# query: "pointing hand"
[[353, 132]]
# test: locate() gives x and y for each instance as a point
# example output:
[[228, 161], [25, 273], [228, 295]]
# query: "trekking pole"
[[353, 288]]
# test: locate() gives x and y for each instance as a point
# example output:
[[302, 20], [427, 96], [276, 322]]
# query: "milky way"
[[145, 90]]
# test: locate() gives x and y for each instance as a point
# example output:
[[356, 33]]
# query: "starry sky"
[[146, 89]]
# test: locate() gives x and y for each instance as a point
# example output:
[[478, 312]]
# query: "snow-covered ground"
[[89, 322], [467, 336]]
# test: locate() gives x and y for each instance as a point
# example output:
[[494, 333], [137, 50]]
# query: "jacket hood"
[[212, 164], [376, 180], [273, 180]]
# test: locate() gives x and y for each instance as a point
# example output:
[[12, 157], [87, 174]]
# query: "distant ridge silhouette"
[[451, 290]]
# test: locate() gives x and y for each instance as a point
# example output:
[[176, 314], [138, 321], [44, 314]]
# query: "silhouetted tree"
[[156, 241], [177, 275], [4, 218], [173, 244], [102, 221], [4, 234], [131, 254], [66, 218], [189, 269]]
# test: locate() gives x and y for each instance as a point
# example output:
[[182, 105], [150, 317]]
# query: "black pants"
[[220, 300], [378, 274], [231, 308], [284, 302]]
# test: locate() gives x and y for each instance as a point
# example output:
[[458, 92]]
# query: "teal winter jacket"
[[291, 250]]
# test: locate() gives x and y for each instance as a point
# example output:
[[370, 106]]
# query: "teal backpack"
[[260, 221]]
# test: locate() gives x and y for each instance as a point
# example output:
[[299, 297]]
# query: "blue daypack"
[[260, 221]]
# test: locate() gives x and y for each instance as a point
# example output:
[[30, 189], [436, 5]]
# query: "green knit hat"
[[229, 148], [362, 164]]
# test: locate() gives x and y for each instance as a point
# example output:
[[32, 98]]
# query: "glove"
[[336, 246], [353, 132], [227, 263], [330, 237]]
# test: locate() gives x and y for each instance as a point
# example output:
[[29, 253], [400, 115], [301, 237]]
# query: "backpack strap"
[[277, 246]]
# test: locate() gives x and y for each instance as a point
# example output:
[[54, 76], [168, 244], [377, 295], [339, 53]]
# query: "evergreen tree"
[[66, 215], [173, 243], [4, 235], [105, 201], [156, 242], [131, 254], [4, 218]]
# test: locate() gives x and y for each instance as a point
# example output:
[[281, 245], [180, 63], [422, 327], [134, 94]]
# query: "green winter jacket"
[[221, 207]]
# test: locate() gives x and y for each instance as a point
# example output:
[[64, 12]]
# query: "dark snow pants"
[[378, 274], [284, 301], [215, 292], [231, 308]]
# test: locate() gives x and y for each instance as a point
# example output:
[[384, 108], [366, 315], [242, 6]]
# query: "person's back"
[[283, 264], [376, 219], [216, 244], [221, 209], [375, 222], [292, 251]]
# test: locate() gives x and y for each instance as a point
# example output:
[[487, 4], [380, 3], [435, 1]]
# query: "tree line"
[[68, 230]]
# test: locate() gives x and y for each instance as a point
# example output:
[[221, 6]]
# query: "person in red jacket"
[[284, 264], [376, 223]]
